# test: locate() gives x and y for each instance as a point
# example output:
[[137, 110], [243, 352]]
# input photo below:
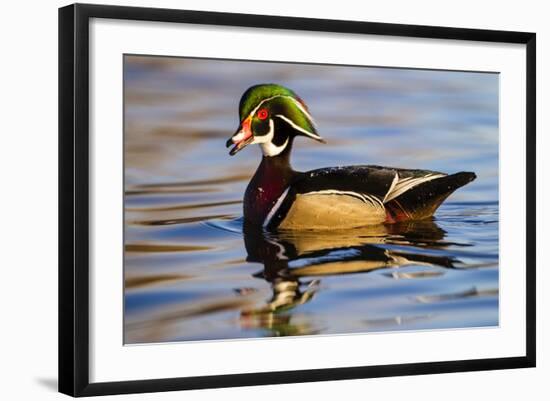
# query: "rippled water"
[[193, 273]]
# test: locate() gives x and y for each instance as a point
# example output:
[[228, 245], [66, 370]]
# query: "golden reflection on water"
[[295, 265]]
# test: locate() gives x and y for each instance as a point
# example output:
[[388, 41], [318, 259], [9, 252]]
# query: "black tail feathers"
[[423, 200]]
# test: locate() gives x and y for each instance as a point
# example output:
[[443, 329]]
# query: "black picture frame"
[[74, 198]]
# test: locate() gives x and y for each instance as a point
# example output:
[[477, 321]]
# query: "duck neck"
[[280, 161], [272, 178]]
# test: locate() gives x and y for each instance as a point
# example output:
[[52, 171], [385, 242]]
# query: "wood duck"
[[279, 197]]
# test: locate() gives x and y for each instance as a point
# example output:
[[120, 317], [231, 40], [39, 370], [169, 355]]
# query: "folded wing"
[[361, 195]]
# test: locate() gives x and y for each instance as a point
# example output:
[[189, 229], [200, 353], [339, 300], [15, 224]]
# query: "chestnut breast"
[[266, 186]]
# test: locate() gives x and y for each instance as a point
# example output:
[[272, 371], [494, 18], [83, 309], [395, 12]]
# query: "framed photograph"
[[251, 199]]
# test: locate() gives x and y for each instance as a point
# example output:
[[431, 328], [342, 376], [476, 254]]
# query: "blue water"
[[192, 274]]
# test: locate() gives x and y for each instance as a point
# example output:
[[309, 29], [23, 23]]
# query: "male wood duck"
[[279, 197]]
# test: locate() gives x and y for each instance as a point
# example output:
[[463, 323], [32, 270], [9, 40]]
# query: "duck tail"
[[422, 201]]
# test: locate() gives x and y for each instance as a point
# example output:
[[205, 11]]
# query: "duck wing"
[[383, 182], [419, 200], [390, 194]]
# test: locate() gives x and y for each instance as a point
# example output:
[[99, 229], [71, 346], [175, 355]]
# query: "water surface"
[[192, 272]]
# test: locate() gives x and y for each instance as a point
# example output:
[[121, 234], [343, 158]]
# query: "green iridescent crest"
[[279, 102], [255, 94]]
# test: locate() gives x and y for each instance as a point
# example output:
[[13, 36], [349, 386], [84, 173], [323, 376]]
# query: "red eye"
[[262, 114]]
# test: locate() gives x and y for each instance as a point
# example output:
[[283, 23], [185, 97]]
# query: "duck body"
[[278, 197], [345, 197]]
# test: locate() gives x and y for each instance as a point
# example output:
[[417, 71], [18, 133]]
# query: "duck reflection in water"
[[295, 262]]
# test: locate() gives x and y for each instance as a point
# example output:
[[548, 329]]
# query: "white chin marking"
[[265, 142], [269, 149]]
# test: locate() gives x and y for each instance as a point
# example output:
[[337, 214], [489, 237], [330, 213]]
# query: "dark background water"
[[192, 274]]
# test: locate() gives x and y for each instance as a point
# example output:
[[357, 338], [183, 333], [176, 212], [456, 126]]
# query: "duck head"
[[271, 116]]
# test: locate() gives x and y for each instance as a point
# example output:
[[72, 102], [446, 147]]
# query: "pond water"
[[193, 273]]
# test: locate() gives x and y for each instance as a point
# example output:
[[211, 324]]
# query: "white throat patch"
[[265, 142]]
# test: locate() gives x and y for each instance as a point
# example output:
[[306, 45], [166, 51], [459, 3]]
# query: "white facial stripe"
[[265, 142], [296, 102], [260, 104], [302, 108], [297, 127], [275, 207]]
